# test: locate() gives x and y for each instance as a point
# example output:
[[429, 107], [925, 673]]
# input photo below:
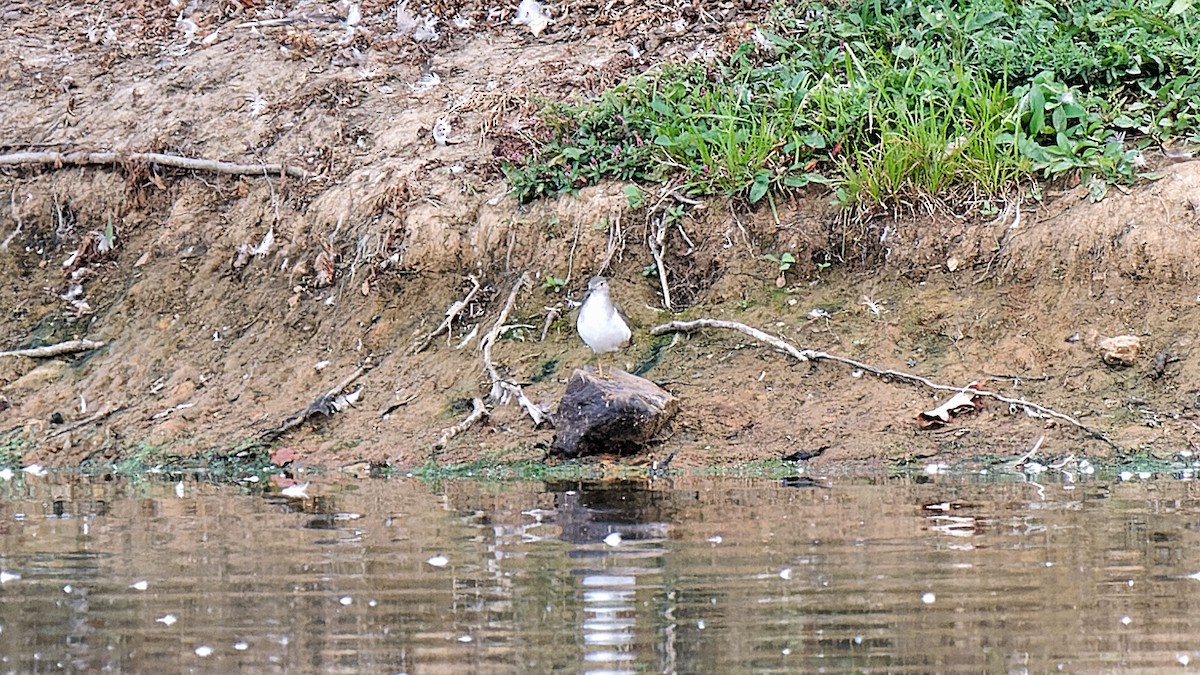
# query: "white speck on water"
[[203, 651], [928, 598], [438, 561], [1125, 475], [140, 585], [1183, 659], [6, 577], [715, 539], [785, 573], [35, 470], [297, 490], [167, 619], [346, 600], [241, 645], [250, 479], [179, 489], [1125, 620], [936, 468], [699, 624], [6, 473], [465, 638], [613, 539]]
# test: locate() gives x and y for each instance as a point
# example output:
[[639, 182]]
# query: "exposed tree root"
[[451, 313], [58, 159], [886, 374], [68, 347], [478, 412], [84, 422], [332, 401], [504, 390]]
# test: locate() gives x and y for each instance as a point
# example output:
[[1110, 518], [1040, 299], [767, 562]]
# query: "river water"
[[875, 574]]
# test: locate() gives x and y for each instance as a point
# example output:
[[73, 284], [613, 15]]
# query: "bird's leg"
[[600, 365]]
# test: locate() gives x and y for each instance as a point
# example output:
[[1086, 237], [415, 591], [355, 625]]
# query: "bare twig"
[[68, 347], [58, 159], [12, 204], [479, 411], [451, 313], [552, 313], [84, 422], [886, 374], [1032, 451], [327, 404], [505, 390], [656, 240]]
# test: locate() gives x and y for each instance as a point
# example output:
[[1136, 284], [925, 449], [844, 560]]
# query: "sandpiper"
[[600, 323]]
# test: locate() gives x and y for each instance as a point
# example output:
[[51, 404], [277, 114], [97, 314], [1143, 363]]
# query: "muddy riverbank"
[[228, 303]]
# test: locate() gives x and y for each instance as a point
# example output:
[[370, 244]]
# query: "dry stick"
[[451, 314], [479, 411], [503, 390], [323, 404], [814, 355], [655, 241], [68, 347], [58, 159], [84, 422]]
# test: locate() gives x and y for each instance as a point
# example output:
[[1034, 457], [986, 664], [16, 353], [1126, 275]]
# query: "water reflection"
[[873, 574]]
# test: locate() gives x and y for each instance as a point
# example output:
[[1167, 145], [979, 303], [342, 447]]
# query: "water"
[[690, 575]]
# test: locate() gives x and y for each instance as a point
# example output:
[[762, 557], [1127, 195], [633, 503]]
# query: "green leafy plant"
[[881, 100], [783, 261]]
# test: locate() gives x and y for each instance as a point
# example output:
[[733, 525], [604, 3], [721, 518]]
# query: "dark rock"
[[619, 414]]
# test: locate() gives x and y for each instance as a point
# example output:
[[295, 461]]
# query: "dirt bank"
[[229, 303]]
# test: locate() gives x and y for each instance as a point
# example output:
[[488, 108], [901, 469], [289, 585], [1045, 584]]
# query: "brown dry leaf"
[[283, 456]]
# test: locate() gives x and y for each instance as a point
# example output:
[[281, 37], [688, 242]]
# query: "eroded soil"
[[229, 303]]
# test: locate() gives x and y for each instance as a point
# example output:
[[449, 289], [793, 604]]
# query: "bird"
[[600, 323]]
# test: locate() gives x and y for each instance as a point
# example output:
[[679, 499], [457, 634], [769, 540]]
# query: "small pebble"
[[438, 561], [928, 598]]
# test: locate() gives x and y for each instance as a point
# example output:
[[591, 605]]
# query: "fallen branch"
[[68, 347], [84, 422], [451, 313], [804, 355], [656, 241], [332, 401], [58, 159], [479, 411], [504, 390]]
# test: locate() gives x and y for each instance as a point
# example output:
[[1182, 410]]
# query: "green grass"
[[888, 99]]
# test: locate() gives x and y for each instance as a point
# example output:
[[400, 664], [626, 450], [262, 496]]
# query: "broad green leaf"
[[758, 190]]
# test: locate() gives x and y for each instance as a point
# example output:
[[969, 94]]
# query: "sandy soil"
[[229, 303]]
